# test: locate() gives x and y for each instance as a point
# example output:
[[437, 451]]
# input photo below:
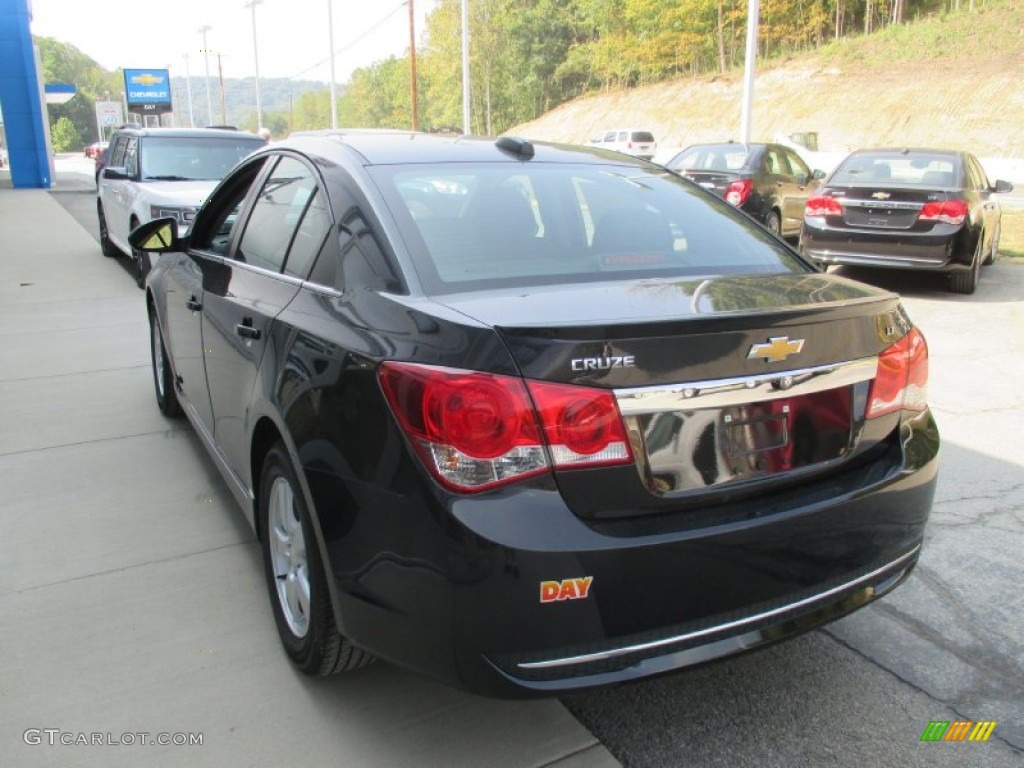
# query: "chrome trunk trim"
[[725, 393]]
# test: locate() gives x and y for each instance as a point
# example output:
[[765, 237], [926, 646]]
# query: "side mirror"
[[1003, 186], [156, 236], [115, 173], [819, 174]]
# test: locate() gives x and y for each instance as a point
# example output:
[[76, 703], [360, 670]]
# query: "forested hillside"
[[846, 68]]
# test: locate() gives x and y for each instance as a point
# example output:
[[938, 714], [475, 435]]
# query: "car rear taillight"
[[902, 378], [478, 430], [582, 426], [822, 205], [738, 191], [948, 212]]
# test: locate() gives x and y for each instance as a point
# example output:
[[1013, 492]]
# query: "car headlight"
[[183, 213]]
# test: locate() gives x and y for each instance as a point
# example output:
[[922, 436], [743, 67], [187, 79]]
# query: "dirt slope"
[[955, 82]]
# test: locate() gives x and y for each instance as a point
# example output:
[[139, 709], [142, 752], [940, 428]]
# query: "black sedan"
[[768, 181], [529, 418], [922, 209]]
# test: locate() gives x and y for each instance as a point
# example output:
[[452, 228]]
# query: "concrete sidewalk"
[[131, 590]]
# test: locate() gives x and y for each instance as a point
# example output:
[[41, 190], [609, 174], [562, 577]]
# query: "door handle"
[[247, 331], [194, 304]]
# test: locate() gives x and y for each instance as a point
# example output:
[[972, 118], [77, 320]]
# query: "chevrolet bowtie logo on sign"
[[776, 350], [959, 730], [146, 79]]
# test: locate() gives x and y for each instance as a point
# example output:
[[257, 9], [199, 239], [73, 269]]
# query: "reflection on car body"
[[378, 339]]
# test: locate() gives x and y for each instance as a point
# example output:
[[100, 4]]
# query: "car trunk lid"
[[722, 383]]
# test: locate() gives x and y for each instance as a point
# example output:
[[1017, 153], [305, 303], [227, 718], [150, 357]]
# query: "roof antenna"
[[514, 145]]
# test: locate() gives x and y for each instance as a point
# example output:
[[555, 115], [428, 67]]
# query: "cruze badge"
[[776, 350], [603, 363], [881, 195]]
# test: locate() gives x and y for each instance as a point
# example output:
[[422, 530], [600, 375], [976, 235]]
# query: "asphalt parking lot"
[[131, 598]]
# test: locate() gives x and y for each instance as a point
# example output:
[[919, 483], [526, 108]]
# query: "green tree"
[[64, 136]]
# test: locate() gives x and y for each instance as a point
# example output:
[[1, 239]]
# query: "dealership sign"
[[148, 90], [109, 114]]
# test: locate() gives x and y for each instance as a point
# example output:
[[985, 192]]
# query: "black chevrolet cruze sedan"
[[921, 209], [528, 418]]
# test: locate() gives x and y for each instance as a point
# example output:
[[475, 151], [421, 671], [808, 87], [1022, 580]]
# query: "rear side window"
[[534, 224]]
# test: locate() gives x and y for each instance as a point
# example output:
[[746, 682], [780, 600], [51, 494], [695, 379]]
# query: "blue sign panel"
[[147, 87]]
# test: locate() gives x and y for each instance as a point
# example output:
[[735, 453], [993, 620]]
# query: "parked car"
[[923, 209], [530, 418], [768, 181], [630, 141], [147, 173], [95, 149]]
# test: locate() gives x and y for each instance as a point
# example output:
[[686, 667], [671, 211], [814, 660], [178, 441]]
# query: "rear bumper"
[[462, 601], [901, 250]]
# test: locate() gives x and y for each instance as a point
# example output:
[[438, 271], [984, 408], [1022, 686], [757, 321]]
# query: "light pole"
[[465, 68], [330, 36], [256, 55], [412, 68], [188, 88], [746, 117], [206, 59]]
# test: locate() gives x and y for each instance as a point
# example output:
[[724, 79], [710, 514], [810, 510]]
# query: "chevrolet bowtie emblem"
[[881, 195], [776, 350]]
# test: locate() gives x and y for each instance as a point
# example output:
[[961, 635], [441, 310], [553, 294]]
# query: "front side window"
[[275, 217], [215, 223], [498, 225], [131, 156], [117, 153]]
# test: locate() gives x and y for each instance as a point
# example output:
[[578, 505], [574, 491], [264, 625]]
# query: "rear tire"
[[773, 223], [109, 249], [296, 579], [966, 281]]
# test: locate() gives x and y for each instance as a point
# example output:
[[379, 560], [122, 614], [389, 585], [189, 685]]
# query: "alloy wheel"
[[288, 557]]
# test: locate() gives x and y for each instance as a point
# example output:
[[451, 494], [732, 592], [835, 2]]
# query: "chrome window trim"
[[724, 393], [739, 623]]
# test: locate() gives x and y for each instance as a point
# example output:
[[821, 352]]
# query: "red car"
[[95, 149]]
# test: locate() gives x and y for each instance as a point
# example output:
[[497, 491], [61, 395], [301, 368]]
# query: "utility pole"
[[256, 55], [188, 86], [206, 59], [220, 76], [412, 68], [330, 37]]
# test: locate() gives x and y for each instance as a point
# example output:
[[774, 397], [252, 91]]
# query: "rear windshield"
[[642, 136], [711, 157], [898, 168], [199, 158], [474, 227]]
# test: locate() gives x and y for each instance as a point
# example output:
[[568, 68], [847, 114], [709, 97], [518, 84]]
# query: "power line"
[[356, 40]]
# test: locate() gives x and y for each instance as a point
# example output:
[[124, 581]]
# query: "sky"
[[292, 36]]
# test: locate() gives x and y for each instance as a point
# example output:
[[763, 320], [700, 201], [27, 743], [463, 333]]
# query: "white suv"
[[631, 141], [156, 172]]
